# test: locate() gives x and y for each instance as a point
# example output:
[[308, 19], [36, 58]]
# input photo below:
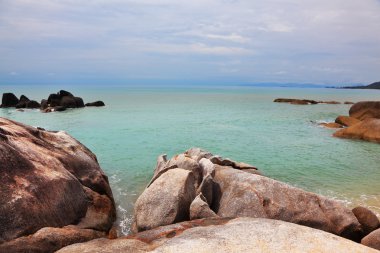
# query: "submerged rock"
[[365, 109], [96, 103], [225, 236], [368, 130], [49, 179]]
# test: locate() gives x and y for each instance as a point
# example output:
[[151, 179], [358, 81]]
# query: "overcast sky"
[[204, 41]]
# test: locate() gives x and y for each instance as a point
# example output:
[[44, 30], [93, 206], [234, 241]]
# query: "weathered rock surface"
[[225, 235], [96, 103], [9, 100], [49, 179], [365, 109], [200, 209], [367, 219], [372, 240], [368, 130], [346, 120], [246, 195], [166, 200]]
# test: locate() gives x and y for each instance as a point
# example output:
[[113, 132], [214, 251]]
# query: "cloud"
[[289, 40]]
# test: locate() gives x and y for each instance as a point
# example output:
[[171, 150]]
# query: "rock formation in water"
[[173, 214], [53, 192], [56, 102], [294, 101]]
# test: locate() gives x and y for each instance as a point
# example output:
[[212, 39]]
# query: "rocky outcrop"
[[368, 130], [372, 240], [225, 235], [96, 104], [294, 101], [199, 208], [51, 180], [367, 219], [366, 109], [346, 121], [331, 125]]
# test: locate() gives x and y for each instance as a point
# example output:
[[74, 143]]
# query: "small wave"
[[125, 221]]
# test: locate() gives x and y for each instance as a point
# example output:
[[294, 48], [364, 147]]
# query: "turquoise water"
[[241, 123]]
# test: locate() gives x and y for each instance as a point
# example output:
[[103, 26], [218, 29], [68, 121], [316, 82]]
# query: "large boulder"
[[225, 235], [32, 104], [367, 219], [49, 179], [165, 201], [241, 194], [22, 102], [9, 100], [368, 130], [372, 240], [346, 120], [365, 109], [200, 209]]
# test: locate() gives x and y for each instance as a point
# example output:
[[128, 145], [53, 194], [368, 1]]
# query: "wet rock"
[[368, 130], [346, 120], [331, 125]]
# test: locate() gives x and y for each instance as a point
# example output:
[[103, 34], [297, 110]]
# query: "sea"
[[243, 123]]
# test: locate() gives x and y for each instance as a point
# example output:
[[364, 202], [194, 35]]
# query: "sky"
[[333, 42]]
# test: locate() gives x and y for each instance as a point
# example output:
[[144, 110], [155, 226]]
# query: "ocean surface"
[[242, 123]]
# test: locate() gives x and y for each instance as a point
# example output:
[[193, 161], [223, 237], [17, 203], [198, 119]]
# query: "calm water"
[[241, 123]]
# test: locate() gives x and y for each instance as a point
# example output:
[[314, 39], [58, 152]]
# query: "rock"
[[366, 109], [45, 181], [50, 239], [44, 104], [222, 161], [367, 219], [63, 93], [207, 167], [244, 166], [186, 162], [160, 165], [372, 240], [97, 104], [58, 109], [9, 100], [368, 130], [295, 101], [79, 102], [206, 188], [197, 154], [22, 102], [331, 125], [32, 104], [346, 120], [245, 235], [330, 102], [54, 100], [240, 194], [165, 201], [348, 103], [200, 209]]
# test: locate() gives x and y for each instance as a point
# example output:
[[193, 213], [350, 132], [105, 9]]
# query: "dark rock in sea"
[[372, 240], [68, 102], [295, 101], [9, 100], [49, 181], [79, 102], [366, 109], [22, 102], [368, 130], [54, 100], [63, 93], [32, 104], [346, 120], [367, 219], [97, 104], [44, 104], [243, 235], [330, 102], [348, 103]]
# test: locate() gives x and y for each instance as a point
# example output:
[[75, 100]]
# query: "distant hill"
[[370, 86]]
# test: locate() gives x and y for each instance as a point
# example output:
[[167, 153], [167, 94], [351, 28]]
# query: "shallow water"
[[242, 123]]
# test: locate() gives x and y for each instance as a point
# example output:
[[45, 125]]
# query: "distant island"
[[375, 85]]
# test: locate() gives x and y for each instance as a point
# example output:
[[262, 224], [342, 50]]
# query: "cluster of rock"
[[363, 122], [53, 192], [56, 102], [195, 203], [294, 101]]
